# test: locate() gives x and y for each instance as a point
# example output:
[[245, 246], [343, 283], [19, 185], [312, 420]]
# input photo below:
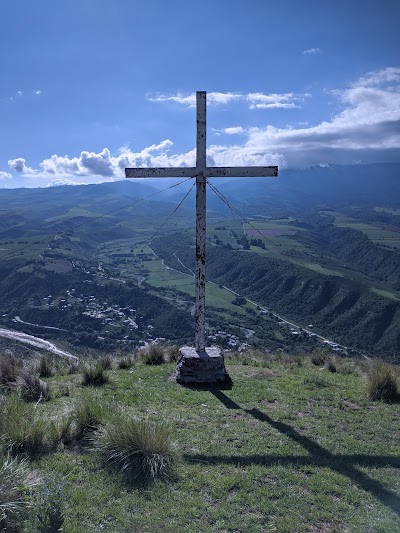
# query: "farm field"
[[374, 233]]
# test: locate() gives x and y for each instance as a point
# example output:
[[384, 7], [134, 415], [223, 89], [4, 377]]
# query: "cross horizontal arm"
[[167, 172], [210, 172], [241, 172]]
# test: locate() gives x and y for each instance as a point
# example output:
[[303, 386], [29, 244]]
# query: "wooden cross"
[[201, 172]]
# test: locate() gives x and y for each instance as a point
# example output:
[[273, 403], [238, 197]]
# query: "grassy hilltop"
[[290, 444]]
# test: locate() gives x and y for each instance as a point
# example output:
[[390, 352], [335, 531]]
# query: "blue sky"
[[88, 87]]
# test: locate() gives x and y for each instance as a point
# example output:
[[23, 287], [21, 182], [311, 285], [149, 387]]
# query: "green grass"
[[291, 447]]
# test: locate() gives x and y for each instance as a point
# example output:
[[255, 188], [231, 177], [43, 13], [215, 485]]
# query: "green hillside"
[[287, 446]]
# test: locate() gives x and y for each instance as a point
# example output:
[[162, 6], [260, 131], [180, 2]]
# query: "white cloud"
[[270, 101], [188, 100], [367, 128], [369, 122], [255, 100], [379, 77], [5, 176], [236, 130], [24, 94], [312, 51], [223, 98], [242, 156], [19, 165], [61, 181]]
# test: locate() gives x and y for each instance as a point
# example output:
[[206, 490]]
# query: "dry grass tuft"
[[89, 413], [94, 375], [142, 449], [45, 367], [382, 383], [318, 359], [126, 362], [22, 431], [14, 486], [10, 367], [105, 362], [173, 354], [31, 387], [154, 355]]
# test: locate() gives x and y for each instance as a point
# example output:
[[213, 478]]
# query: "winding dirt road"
[[35, 341]]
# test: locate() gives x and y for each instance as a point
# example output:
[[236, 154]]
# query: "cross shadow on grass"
[[318, 456]]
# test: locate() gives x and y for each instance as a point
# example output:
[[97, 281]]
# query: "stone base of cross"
[[200, 364]]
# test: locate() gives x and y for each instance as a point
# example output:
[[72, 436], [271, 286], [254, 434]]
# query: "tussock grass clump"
[[22, 431], [173, 354], [105, 362], [31, 387], [142, 449], [382, 383], [65, 431], [154, 355], [94, 375], [45, 367], [348, 368], [14, 487], [126, 362], [73, 367], [49, 502], [87, 416], [331, 365], [318, 359], [10, 367]]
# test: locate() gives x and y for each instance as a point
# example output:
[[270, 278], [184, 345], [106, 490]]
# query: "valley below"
[[87, 268]]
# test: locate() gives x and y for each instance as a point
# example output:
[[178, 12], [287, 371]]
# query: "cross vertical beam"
[[200, 292]]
